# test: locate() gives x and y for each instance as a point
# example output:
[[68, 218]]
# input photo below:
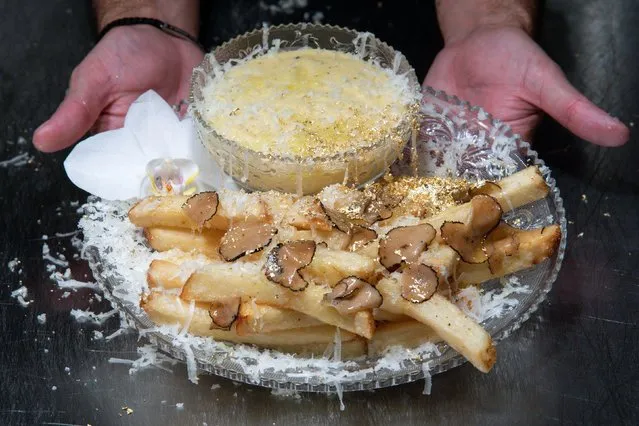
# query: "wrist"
[[459, 18], [182, 14]]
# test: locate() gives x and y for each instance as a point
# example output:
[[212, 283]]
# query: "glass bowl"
[[254, 170], [454, 138]]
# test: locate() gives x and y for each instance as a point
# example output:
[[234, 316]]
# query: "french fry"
[[444, 260], [171, 310], [307, 214], [516, 190], [408, 334], [331, 266], [447, 321], [219, 280], [206, 242], [535, 246], [166, 275], [153, 212], [519, 189], [258, 318], [274, 316], [334, 240], [253, 317], [172, 274], [385, 316], [328, 267]]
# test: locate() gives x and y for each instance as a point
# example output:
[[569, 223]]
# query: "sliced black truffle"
[[201, 207], [468, 239], [339, 220], [360, 237], [419, 282], [284, 262], [352, 294], [224, 313], [244, 238], [404, 244], [307, 213]]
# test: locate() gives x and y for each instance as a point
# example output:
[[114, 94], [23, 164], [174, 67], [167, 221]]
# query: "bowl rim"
[[411, 116]]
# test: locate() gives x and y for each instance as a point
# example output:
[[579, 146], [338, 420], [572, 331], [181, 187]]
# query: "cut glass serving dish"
[[255, 170], [454, 139]]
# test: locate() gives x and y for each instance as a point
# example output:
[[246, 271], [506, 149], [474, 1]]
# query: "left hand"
[[504, 71]]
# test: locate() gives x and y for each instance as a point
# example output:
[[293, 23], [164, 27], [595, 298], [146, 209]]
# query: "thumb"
[[557, 97], [86, 98]]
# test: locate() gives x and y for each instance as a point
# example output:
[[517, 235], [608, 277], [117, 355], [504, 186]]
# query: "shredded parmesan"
[[428, 378], [17, 161], [187, 323], [340, 395], [337, 350], [20, 295], [149, 357], [91, 317], [283, 6], [13, 264]]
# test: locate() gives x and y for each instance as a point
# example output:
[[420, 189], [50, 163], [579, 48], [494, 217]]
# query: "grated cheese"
[[20, 295], [13, 264], [354, 101], [116, 333], [122, 246], [91, 317], [283, 6], [428, 378], [286, 394], [17, 161], [340, 395], [337, 341], [63, 282]]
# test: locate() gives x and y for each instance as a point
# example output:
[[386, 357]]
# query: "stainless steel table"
[[574, 362]]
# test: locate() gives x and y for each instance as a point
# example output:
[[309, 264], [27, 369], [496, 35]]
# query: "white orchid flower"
[[155, 152]]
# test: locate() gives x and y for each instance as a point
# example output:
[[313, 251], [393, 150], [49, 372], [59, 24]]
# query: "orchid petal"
[[110, 165], [154, 125], [210, 173]]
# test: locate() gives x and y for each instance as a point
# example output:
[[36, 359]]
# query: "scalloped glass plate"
[[454, 138]]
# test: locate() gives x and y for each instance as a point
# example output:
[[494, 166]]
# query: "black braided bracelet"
[[162, 26]]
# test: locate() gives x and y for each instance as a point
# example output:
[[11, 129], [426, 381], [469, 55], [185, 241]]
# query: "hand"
[[127, 62], [505, 72]]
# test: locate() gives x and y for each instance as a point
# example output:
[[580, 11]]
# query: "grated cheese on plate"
[[122, 246]]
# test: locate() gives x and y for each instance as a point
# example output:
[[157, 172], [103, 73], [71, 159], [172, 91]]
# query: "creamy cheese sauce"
[[308, 102]]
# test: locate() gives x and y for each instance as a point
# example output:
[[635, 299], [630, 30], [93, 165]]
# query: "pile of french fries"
[[282, 272]]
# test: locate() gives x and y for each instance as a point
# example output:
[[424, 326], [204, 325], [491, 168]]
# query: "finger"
[[85, 100], [558, 98], [107, 122]]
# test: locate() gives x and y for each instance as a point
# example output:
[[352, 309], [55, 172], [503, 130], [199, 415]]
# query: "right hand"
[[127, 62]]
